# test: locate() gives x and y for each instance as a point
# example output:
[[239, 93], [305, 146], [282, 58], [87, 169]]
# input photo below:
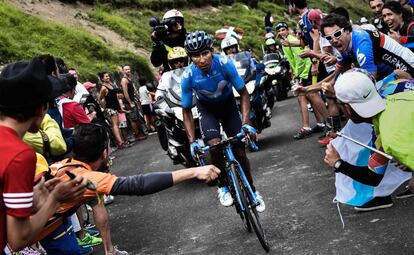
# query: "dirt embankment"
[[75, 15]]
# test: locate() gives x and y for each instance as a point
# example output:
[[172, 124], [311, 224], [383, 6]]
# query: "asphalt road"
[[298, 189]]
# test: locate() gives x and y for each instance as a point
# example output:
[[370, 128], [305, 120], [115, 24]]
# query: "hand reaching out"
[[207, 173]]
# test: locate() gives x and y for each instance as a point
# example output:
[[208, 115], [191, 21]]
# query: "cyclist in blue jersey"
[[211, 78]]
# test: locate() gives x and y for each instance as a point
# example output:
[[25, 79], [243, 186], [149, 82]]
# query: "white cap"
[[358, 90], [363, 20]]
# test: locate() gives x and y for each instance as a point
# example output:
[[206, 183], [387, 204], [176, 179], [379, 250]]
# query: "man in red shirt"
[[25, 89], [72, 112]]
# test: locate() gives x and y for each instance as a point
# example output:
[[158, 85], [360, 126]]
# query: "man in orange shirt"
[[90, 160]]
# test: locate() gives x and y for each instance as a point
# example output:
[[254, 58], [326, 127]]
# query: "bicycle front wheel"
[[251, 212]]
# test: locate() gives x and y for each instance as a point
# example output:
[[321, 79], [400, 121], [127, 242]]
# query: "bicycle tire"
[[251, 212], [243, 213]]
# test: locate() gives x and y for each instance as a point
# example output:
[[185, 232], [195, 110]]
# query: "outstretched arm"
[[154, 182]]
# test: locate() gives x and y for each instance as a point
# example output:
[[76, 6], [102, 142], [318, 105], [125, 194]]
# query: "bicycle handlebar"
[[228, 140]]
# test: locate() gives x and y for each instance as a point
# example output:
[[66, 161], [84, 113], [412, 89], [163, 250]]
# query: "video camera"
[[162, 28]]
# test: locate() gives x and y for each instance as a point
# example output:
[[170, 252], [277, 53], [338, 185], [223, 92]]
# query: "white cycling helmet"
[[228, 42], [171, 14]]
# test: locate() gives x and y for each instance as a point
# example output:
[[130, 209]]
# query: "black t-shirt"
[[131, 89]]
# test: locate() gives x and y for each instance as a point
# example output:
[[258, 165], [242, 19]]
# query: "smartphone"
[[89, 185]]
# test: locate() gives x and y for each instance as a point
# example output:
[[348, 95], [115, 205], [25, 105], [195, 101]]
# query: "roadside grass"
[[25, 36], [132, 23]]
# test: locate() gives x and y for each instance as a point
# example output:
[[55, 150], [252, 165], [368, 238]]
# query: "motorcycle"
[[170, 125], [277, 75], [260, 113]]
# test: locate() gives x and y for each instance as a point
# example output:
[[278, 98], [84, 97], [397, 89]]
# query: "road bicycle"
[[245, 200]]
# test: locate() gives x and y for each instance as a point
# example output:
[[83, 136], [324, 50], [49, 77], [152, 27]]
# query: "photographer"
[[168, 33]]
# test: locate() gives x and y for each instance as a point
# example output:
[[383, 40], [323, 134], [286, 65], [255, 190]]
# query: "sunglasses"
[[335, 35]]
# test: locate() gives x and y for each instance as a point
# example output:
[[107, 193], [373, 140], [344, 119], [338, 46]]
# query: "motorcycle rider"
[[229, 45], [177, 59], [163, 42], [270, 46], [211, 78]]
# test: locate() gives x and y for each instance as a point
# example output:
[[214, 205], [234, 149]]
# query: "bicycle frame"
[[239, 186], [231, 160]]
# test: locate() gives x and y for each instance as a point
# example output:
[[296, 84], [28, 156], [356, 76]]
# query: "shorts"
[[122, 120], [111, 112], [212, 115], [146, 109], [132, 113]]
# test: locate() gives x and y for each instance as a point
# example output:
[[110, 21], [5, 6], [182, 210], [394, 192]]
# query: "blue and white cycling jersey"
[[371, 49], [211, 87]]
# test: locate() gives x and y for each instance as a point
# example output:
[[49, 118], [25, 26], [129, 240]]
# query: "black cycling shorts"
[[227, 113]]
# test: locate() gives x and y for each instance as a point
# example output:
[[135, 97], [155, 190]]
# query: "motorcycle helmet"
[[270, 41], [176, 54], [280, 25], [229, 42], [173, 16], [197, 42]]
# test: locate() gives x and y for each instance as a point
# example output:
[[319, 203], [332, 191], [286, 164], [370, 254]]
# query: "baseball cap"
[[89, 85], [358, 90], [24, 84], [363, 20], [315, 15], [41, 167], [269, 35]]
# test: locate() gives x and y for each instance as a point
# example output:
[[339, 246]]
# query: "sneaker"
[[117, 252], [320, 127], [327, 139], [88, 226], [375, 204], [92, 232], [108, 199], [406, 194], [86, 250], [225, 196], [89, 241], [261, 207], [310, 108], [29, 251], [140, 137], [302, 133]]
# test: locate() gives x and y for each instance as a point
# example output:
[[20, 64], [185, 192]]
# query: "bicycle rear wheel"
[[243, 213], [251, 212]]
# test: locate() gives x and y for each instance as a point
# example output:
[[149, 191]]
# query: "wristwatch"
[[338, 163]]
